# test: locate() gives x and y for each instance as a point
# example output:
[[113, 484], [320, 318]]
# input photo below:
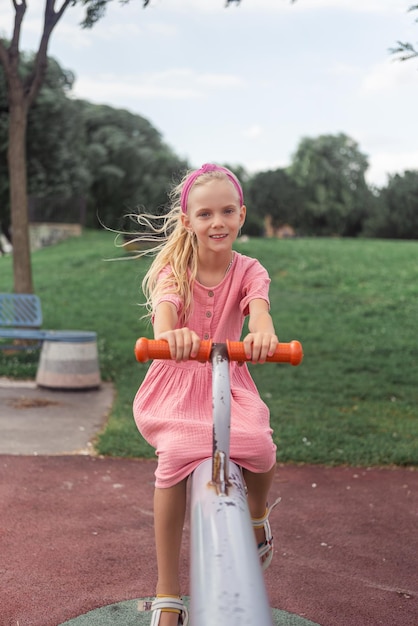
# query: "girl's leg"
[[169, 513], [258, 486]]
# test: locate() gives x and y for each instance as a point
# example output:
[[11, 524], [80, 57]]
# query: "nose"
[[217, 220]]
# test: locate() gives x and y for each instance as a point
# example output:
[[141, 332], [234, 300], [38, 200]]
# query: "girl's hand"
[[258, 346], [183, 343]]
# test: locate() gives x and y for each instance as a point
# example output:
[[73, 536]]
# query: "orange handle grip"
[[146, 349], [285, 352]]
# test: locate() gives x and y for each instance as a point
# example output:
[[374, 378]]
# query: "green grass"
[[352, 304]]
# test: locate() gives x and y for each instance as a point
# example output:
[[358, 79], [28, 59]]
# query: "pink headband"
[[207, 167]]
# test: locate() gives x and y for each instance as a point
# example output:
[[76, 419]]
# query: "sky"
[[245, 84]]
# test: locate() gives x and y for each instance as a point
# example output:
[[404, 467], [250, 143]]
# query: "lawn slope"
[[352, 304]]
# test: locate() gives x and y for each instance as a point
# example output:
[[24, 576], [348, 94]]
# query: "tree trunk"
[[21, 95], [16, 156]]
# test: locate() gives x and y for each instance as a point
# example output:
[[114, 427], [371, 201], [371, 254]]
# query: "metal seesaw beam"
[[226, 580]]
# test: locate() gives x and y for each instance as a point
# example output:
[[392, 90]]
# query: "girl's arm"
[[262, 340], [183, 342]]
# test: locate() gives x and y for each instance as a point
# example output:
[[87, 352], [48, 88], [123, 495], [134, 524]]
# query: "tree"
[[396, 214], [128, 163], [406, 50], [22, 91], [4, 178], [21, 94], [330, 171], [275, 194], [56, 152], [54, 143], [86, 156]]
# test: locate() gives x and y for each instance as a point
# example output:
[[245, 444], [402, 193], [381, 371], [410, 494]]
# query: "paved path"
[[76, 537], [40, 421]]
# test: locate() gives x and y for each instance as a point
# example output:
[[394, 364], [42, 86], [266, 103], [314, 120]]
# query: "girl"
[[199, 288]]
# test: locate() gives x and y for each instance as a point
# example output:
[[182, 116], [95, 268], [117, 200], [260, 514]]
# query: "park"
[[77, 478]]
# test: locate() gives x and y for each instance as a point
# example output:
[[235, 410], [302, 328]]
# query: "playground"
[[77, 530]]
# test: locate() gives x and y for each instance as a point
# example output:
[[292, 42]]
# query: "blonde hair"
[[177, 250]]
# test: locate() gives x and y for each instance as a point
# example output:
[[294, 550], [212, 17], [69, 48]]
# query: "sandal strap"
[[266, 546], [259, 522], [169, 603], [166, 602]]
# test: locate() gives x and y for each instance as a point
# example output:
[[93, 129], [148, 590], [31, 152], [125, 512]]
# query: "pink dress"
[[173, 406]]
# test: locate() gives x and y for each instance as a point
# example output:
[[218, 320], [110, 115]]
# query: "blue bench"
[[68, 358], [21, 318]]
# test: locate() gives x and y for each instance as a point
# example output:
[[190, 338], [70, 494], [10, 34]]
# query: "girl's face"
[[214, 214]]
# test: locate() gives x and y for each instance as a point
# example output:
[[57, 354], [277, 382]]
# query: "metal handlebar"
[[146, 349]]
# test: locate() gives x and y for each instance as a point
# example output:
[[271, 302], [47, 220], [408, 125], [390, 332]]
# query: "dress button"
[[206, 336], [208, 314], [210, 294]]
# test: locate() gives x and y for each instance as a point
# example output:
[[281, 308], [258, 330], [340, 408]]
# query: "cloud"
[[253, 132], [253, 166], [111, 89], [388, 76], [175, 84], [384, 163], [218, 80], [343, 69], [365, 6], [159, 7], [275, 6]]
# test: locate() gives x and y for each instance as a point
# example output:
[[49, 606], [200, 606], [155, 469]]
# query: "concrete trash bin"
[[69, 360]]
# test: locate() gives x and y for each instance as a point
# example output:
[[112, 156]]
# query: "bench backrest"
[[20, 310]]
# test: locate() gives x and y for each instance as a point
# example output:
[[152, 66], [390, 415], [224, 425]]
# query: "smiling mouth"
[[218, 236]]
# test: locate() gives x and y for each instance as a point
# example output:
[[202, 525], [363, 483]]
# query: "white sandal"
[[170, 604], [266, 547]]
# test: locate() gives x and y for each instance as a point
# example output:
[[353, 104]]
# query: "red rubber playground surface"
[[76, 539]]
